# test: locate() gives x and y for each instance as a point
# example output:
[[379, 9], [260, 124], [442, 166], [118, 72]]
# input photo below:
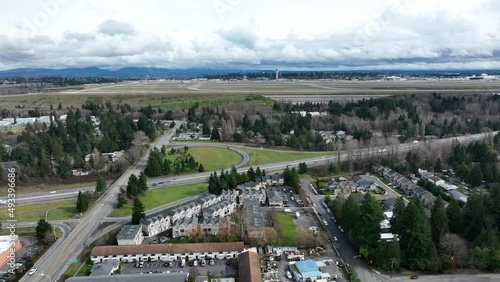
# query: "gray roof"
[[418, 191], [208, 211], [128, 232], [389, 202], [458, 195], [154, 277], [104, 268], [274, 196]]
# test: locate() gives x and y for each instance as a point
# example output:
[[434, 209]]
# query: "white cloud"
[[282, 33]]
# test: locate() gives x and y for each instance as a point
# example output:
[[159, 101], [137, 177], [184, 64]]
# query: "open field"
[[262, 156], [169, 94], [156, 197], [287, 229], [214, 158], [57, 210]]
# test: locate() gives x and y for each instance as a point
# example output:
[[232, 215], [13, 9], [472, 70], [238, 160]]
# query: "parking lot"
[[220, 267]]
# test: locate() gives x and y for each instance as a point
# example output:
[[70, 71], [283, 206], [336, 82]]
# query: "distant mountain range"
[[140, 73], [129, 72]]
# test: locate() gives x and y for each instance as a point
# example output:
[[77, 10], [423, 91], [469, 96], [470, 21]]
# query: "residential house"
[[230, 195], [331, 185], [275, 199], [167, 252], [418, 192], [458, 196], [436, 180], [389, 204], [156, 224], [130, 235], [185, 227], [253, 194], [221, 209], [427, 200], [364, 184], [425, 174]]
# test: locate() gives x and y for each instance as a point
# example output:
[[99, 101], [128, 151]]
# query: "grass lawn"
[[20, 231], [260, 156], [287, 228], [57, 210], [214, 158], [156, 197]]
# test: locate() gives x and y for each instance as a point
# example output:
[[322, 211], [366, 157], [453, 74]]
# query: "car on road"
[[413, 277], [340, 228], [52, 192], [335, 239], [288, 275], [326, 223], [32, 271]]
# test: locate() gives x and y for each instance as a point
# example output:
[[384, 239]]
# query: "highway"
[[58, 258]]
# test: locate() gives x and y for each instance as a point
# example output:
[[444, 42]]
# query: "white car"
[[326, 223], [288, 275], [335, 239], [32, 271]]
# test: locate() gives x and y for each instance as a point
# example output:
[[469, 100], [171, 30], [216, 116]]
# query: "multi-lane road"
[[58, 258]]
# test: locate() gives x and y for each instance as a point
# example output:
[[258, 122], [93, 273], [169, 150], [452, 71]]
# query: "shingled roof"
[[249, 267], [167, 248]]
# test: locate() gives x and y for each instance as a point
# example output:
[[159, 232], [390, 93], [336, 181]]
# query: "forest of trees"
[[159, 164], [54, 150]]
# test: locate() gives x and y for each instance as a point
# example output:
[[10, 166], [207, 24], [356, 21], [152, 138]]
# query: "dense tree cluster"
[[228, 180], [160, 164]]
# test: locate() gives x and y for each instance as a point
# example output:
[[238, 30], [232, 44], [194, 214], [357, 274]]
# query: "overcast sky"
[[288, 34]]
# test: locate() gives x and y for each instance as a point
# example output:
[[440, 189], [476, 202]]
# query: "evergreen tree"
[[155, 163], [251, 174], [302, 168], [416, 237], [439, 220], [42, 228], [166, 168], [258, 173], [215, 134], [132, 186], [454, 214], [120, 199], [397, 215], [475, 176], [205, 129], [82, 203], [437, 166], [366, 233], [100, 186], [137, 211], [201, 168], [142, 182], [350, 213], [65, 168], [331, 168]]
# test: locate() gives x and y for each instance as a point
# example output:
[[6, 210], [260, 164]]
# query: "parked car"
[[203, 262], [141, 264], [326, 223], [211, 262], [413, 277], [288, 275]]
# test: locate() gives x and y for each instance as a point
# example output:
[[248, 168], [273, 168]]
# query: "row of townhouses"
[[212, 205], [190, 226], [410, 188], [167, 252]]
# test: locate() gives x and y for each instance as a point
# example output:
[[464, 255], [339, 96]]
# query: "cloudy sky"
[[288, 34]]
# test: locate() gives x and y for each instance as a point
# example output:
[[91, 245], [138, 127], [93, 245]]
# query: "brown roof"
[[167, 248], [249, 267]]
